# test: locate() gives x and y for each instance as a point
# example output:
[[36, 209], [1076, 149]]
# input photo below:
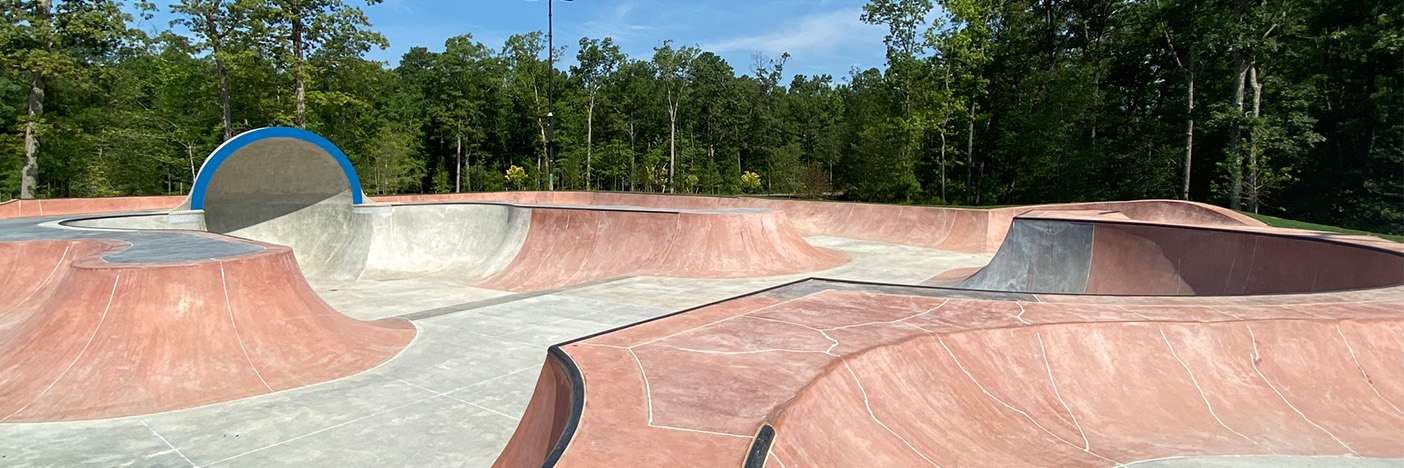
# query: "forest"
[[1292, 108]]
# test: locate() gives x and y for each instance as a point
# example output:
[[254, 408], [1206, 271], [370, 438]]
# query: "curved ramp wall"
[[284, 186], [1104, 395], [206, 331], [959, 229], [1085, 256]]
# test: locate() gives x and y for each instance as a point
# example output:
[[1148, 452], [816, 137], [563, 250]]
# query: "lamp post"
[[551, 95]]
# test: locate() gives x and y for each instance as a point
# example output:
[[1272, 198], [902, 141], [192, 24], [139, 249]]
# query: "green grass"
[[1292, 224]]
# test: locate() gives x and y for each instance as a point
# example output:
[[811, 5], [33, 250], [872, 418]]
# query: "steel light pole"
[[551, 95]]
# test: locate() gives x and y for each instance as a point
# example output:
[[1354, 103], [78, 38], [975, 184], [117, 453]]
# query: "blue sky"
[[822, 36]]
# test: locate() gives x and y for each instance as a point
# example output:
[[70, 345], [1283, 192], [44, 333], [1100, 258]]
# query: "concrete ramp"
[[84, 338], [1078, 253]]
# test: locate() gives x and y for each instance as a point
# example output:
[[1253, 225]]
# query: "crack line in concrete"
[[1257, 356], [879, 421], [1011, 407], [1202, 395], [1088, 444], [1020, 317], [1363, 374]]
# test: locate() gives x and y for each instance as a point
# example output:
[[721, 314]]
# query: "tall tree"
[[214, 24], [303, 26], [599, 59], [674, 75], [48, 43]]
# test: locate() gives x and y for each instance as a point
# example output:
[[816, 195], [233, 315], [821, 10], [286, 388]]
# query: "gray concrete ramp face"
[[291, 192], [1039, 256], [459, 242]]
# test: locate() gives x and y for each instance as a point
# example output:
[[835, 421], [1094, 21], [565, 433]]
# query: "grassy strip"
[[1292, 224]]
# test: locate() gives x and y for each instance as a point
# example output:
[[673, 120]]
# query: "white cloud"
[[815, 34]]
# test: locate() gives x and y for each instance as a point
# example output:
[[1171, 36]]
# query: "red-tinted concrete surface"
[[871, 375], [84, 339], [966, 230], [570, 246], [70, 206]]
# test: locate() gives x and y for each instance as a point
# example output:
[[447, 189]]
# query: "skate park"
[[278, 315]]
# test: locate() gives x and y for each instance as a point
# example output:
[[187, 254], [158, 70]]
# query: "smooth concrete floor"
[[452, 398]]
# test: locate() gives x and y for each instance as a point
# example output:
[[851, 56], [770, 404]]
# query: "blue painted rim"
[[224, 151]]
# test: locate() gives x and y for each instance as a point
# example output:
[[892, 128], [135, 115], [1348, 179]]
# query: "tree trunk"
[[672, 143], [1189, 127], [29, 170], [299, 84], [943, 164], [633, 157], [970, 155], [1240, 69], [216, 45], [224, 97], [1253, 169], [458, 174], [589, 138]]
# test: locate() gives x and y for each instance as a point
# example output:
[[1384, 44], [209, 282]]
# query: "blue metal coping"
[[229, 148]]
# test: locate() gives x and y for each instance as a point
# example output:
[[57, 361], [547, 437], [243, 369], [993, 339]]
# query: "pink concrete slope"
[[70, 206], [959, 229], [1146, 259], [851, 378], [1104, 395], [571, 246], [99, 340]]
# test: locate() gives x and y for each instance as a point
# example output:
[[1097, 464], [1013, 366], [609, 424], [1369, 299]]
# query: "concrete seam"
[[168, 443], [230, 307], [117, 278], [460, 400], [47, 278], [319, 431]]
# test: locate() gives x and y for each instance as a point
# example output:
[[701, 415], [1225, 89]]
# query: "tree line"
[[1286, 107]]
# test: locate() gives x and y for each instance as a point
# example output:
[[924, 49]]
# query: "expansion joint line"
[[101, 320], [235, 326]]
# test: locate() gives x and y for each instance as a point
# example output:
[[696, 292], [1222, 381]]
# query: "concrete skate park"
[[279, 316]]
